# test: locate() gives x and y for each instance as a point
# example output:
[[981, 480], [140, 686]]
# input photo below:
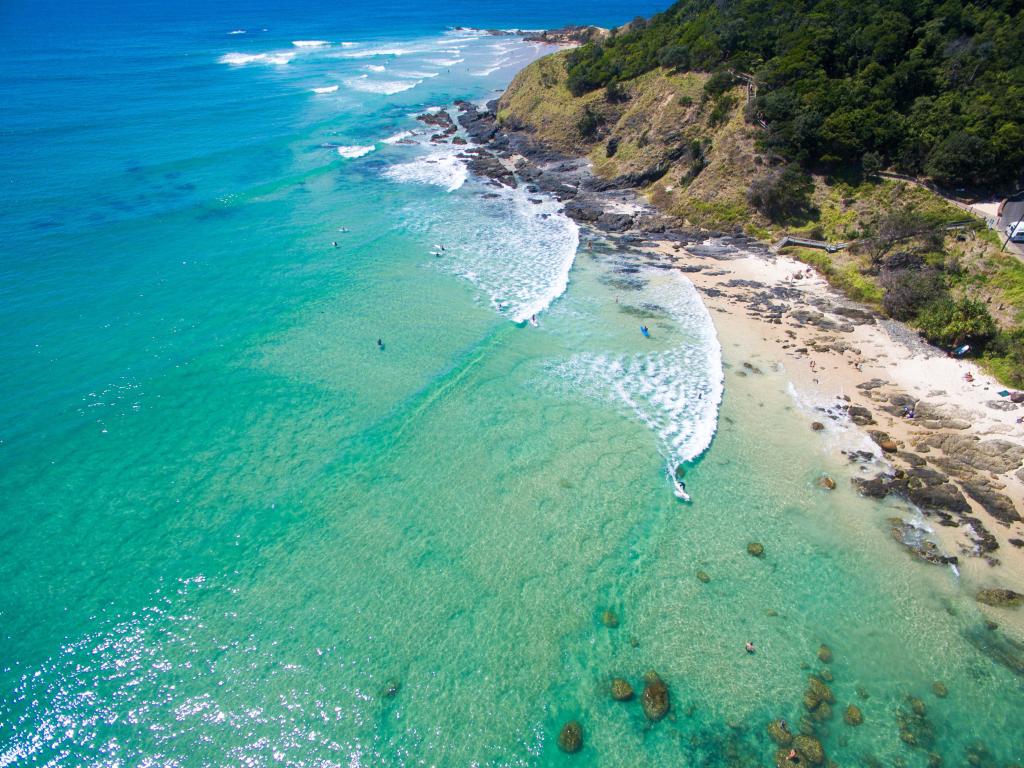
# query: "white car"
[[1015, 231]]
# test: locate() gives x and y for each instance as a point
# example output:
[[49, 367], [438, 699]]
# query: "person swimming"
[[750, 647]]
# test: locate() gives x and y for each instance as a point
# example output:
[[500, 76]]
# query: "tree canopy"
[[932, 87]]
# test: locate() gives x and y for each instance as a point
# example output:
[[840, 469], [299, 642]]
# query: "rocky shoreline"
[[959, 470]]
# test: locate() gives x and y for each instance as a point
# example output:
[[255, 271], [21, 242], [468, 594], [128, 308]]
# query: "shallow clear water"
[[230, 522]]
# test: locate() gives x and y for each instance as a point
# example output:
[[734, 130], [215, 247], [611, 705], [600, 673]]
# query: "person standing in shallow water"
[[380, 344]]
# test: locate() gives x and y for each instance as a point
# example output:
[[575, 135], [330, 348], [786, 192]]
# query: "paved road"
[[1013, 211]]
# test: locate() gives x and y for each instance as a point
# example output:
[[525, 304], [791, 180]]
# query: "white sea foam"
[[310, 43], [370, 53], [388, 87], [326, 89], [237, 32], [675, 392], [495, 66], [354, 151], [375, 67], [400, 136], [278, 58], [440, 168], [416, 75], [523, 263], [349, 45], [443, 62]]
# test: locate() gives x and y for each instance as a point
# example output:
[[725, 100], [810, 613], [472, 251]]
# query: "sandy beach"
[[851, 370]]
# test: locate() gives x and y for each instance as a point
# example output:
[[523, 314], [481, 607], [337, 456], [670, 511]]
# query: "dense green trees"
[[931, 87]]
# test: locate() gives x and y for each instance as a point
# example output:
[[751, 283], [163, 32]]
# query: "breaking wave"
[[675, 392], [351, 152], [387, 87]]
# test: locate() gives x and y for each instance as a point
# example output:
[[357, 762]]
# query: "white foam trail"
[[675, 392], [440, 168], [375, 67], [523, 262], [310, 43], [326, 89], [370, 53], [387, 87], [400, 136], [355, 151], [241, 59], [489, 71], [237, 32]]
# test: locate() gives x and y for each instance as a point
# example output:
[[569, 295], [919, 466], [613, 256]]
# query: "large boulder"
[[570, 738], [655, 698]]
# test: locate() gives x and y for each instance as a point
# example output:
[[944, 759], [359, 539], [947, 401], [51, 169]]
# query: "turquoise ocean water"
[[233, 531]]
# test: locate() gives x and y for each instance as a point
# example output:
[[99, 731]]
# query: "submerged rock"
[[755, 549], [655, 698], [824, 653], [810, 749], [827, 483], [570, 738], [609, 619], [703, 577], [1000, 598], [621, 689], [391, 688], [939, 689], [817, 693], [853, 715], [779, 733]]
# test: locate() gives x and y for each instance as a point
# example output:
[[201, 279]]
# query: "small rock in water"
[[570, 738], [655, 698], [825, 675], [827, 483], [703, 577], [824, 654], [755, 549], [917, 706], [939, 689], [853, 715], [817, 426], [621, 689], [609, 619]]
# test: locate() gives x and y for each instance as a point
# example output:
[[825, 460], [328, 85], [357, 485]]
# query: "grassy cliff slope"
[[687, 144]]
